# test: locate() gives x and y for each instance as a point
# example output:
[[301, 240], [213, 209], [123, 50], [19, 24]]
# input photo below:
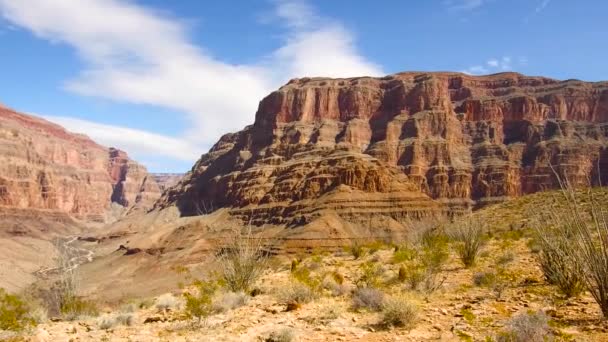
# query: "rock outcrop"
[[46, 168], [364, 146], [167, 180]]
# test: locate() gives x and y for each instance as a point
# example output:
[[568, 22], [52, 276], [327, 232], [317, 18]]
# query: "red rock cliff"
[[462, 140], [43, 166]]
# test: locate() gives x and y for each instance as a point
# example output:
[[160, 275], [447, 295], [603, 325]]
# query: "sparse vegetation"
[[399, 312], [229, 301], [199, 303], [75, 308], [297, 294], [356, 249], [242, 261], [283, 335], [368, 298], [14, 313], [559, 268], [529, 327], [468, 236], [575, 236], [107, 322], [167, 302], [371, 275]]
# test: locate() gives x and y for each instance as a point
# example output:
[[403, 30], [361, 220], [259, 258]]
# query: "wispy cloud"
[[493, 65], [466, 5], [143, 57], [542, 6]]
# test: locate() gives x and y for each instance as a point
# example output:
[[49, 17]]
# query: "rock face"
[[361, 144], [167, 180], [44, 167]]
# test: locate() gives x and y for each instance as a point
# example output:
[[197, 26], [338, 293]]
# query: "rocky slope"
[[44, 167], [387, 145], [55, 183]]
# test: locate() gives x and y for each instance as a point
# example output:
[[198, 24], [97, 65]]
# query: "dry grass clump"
[[242, 261], [367, 298], [529, 327], [356, 249], [107, 322], [468, 236], [399, 312], [282, 335], [168, 302], [297, 294], [229, 301]]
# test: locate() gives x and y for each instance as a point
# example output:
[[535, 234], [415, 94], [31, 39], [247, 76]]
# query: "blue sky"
[[164, 80]]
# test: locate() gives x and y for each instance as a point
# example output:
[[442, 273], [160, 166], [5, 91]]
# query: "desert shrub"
[[560, 270], [14, 313], [497, 281], [167, 302], [304, 276], [38, 314], [505, 258], [371, 275], [484, 279], [368, 298], [375, 246], [199, 303], [468, 236], [399, 312], [229, 301], [294, 265], [356, 249], [403, 253], [297, 293], [283, 335], [336, 289], [576, 233], [242, 261], [107, 322], [75, 308], [529, 327]]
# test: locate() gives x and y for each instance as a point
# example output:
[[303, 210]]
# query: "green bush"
[[74, 308], [14, 313], [200, 303], [371, 275], [242, 262], [357, 250]]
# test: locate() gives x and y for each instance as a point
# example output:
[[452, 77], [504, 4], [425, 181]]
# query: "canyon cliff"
[[48, 169], [402, 146]]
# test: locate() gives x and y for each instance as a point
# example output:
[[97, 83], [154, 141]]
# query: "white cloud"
[[131, 140], [133, 54], [494, 65]]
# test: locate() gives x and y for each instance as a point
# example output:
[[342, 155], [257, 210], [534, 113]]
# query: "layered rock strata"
[[399, 141], [44, 167]]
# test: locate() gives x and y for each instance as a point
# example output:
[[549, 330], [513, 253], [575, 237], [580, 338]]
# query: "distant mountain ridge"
[[45, 167]]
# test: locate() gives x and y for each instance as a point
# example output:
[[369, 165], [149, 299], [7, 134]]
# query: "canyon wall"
[[402, 144], [47, 169]]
